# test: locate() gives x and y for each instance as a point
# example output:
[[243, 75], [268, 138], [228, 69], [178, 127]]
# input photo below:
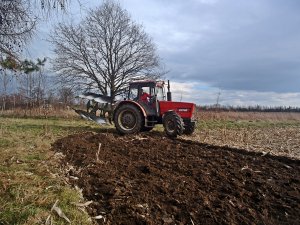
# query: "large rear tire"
[[173, 124], [128, 119]]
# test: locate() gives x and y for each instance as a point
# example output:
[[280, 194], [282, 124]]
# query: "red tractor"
[[144, 106]]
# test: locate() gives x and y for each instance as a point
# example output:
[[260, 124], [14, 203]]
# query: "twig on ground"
[[82, 204], [48, 220], [99, 217], [248, 168], [265, 153], [59, 212], [98, 152], [192, 221]]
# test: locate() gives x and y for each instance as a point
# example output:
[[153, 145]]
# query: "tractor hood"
[[184, 109]]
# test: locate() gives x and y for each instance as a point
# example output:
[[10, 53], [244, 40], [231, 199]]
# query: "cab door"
[[135, 93]]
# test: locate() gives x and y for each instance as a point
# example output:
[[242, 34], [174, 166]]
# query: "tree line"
[[26, 85]]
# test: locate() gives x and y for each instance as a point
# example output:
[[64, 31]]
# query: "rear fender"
[[136, 104], [170, 112], [167, 113]]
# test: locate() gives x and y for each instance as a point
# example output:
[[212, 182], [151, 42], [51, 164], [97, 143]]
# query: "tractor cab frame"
[[153, 90]]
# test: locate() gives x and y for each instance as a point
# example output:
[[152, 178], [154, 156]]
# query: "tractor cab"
[[152, 89], [147, 93]]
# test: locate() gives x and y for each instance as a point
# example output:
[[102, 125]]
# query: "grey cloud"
[[244, 45], [230, 45]]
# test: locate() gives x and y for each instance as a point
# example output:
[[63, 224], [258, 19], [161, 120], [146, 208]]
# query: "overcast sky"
[[246, 50]]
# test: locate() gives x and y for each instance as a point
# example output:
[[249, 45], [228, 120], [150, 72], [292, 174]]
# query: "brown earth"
[[150, 179]]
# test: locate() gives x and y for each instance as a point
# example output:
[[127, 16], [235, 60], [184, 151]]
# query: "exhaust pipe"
[[169, 94]]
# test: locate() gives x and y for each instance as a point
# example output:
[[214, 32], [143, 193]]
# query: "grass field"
[[32, 179], [30, 175]]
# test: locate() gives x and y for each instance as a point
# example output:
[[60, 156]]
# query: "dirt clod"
[[155, 180]]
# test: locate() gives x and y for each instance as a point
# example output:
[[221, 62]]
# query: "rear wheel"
[[128, 119], [173, 124]]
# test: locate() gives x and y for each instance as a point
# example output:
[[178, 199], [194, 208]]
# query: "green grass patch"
[[30, 177], [5, 143], [33, 157], [17, 215]]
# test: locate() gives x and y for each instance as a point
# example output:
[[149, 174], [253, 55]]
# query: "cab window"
[[159, 93], [133, 94], [148, 90]]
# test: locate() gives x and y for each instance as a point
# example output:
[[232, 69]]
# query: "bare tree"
[[105, 51], [32, 82], [39, 90], [7, 66], [4, 78], [66, 96]]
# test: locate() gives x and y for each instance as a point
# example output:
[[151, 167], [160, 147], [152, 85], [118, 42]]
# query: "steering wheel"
[[152, 99]]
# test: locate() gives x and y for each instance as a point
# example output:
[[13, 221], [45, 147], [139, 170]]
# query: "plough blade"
[[96, 97], [89, 116]]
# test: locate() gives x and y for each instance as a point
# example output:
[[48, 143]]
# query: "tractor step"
[[151, 123]]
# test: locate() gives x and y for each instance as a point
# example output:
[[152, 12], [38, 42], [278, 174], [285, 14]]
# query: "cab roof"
[[158, 83]]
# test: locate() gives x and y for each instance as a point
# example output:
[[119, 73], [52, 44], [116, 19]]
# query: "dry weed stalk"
[[82, 204], [224, 133], [192, 221], [207, 133], [46, 129], [245, 137], [98, 152], [49, 220]]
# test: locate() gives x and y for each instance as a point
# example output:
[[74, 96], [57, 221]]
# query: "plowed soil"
[[150, 179]]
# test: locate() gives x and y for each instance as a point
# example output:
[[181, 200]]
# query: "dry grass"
[[51, 112], [269, 133], [250, 116]]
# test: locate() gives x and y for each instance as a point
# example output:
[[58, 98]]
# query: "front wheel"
[[173, 124], [189, 128], [128, 119]]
